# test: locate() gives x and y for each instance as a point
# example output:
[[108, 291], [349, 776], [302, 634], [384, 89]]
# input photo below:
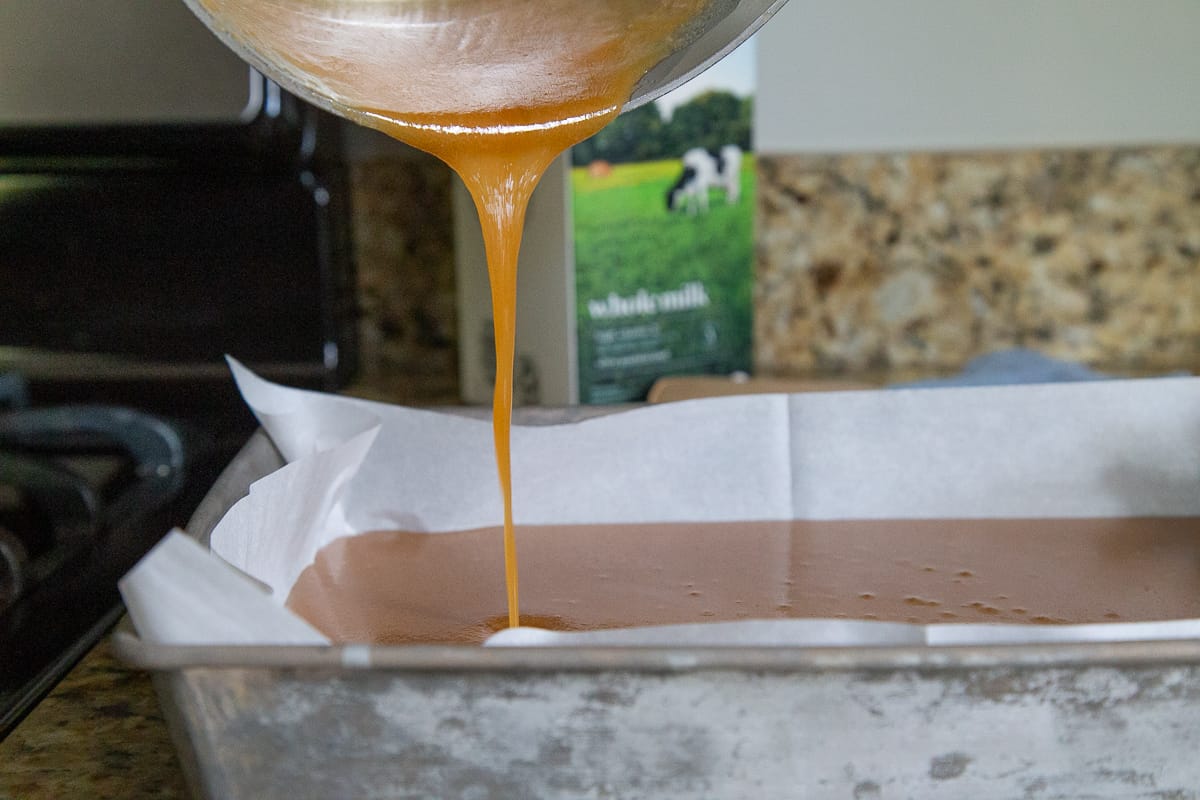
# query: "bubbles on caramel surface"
[[396, 587]]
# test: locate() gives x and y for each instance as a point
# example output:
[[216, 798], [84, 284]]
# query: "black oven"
[[133, 258]]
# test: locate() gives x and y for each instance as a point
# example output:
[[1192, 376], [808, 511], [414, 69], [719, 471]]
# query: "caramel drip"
[[500, 156]]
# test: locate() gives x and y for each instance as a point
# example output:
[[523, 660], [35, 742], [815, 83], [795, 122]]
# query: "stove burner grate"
[[85, 491]]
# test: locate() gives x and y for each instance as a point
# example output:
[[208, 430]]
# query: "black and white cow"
[[704, 170]]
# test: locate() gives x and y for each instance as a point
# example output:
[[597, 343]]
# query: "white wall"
[[114, 61], [854, 75]]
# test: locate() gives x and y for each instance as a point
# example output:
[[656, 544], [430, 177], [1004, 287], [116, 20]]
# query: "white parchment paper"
[[1099, 449]]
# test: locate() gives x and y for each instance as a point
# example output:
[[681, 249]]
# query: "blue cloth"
[[14, 393], [1007, 367]]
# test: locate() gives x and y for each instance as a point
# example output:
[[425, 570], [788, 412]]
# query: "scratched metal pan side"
[[1000, 732]]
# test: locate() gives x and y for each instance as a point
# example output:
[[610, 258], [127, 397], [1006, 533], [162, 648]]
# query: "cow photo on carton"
[[704, 170]]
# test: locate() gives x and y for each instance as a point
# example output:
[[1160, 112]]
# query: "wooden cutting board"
[[687, 387]]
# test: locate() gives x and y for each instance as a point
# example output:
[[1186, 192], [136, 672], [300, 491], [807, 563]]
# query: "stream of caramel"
[[500, 156]]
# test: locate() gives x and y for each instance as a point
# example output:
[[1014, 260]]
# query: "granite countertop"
[[902, 262], [99, 734]]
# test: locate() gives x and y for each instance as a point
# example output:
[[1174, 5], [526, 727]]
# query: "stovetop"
[[85, 491], [133, 258]]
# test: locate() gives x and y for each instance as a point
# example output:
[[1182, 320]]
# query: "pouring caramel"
[[501, 154]]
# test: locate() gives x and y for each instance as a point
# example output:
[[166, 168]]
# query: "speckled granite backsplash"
[[404, 252], [921, 261], [906, 264]]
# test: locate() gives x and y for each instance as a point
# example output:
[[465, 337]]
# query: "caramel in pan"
[[398, 587]]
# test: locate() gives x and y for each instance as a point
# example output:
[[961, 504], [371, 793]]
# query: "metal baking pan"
[[1105, 720]]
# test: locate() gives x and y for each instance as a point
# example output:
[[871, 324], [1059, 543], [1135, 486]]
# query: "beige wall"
[[887, 75], [115, 61]]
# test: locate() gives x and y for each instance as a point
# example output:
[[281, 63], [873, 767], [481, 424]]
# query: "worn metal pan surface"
[[1107, 720]]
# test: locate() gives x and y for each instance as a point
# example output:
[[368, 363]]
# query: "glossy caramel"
[[396, 587]]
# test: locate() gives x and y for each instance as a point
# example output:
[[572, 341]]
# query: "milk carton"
[[637, 258]]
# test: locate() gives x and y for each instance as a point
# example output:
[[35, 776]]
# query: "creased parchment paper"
[[1106, 449]]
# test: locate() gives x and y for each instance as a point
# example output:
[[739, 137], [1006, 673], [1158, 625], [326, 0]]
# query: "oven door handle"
[[153, 444], [65, 504]]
